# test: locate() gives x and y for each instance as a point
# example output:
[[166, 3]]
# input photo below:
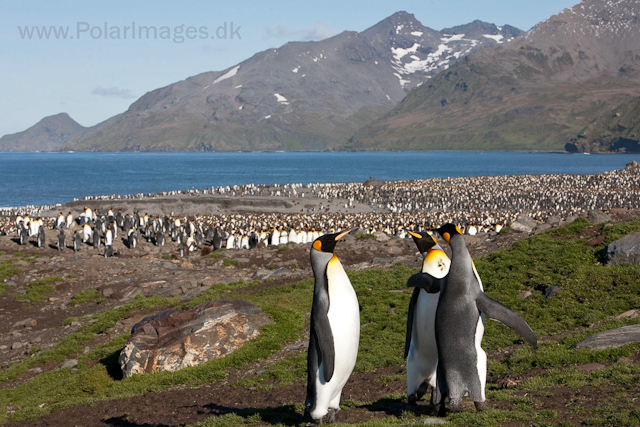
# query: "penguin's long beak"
[[416, 235], [344, 233]]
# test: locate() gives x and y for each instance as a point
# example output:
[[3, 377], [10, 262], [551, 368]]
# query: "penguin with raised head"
[[335, 331], [61, 239], [40, 238], [459, 327], [420, 349]]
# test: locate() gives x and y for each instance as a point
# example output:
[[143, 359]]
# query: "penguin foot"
[[331, 415], [413, 399], [442, 410], [480, 406]]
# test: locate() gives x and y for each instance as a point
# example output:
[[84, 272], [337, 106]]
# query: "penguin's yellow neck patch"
[[433, 254], [334, 258]]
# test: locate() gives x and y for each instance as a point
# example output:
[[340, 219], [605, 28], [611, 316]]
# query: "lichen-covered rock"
[[523, 224], [176, 339], [624, 251]]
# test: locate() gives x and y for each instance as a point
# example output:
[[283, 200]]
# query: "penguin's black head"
[[424, 241], [448, 230], [327, 242]]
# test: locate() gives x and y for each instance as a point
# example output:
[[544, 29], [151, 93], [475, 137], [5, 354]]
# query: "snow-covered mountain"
[[301, 96]]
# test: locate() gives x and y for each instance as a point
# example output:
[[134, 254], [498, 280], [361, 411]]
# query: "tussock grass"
[[86, 296], [39, 290]]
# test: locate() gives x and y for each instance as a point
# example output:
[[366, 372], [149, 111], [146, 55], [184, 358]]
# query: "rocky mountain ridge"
[[301, 96]]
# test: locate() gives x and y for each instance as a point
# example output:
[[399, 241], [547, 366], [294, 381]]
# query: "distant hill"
[[614, 131], [301, 96], [534, 93], [49, 134]]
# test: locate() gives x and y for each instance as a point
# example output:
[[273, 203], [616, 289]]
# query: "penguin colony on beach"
[[478, 204], [445, 326]]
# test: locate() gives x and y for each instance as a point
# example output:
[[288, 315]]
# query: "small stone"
[[282, 271], [16, 345], [590, 367], [54, 299], [186, 264], [597, 217], [71, 363], [380, 236], [36, 370], [430, 421], [629, 314], [107, 292], [391, 310], [27, 323], [553, 290], [624, 359], [524, 294]]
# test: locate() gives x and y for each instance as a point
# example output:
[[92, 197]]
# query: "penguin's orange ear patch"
[[446, 237], [317, 245]]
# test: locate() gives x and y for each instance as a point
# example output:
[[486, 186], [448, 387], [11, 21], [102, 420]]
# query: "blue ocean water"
[[47, 178]]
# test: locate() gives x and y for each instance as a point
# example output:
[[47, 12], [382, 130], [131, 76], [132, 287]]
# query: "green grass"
[[39, 290], [216, 254], [591, 294], [6, 271], [86, 296], [228, 262]]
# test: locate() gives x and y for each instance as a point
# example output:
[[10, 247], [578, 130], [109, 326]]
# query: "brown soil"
[[120, 279]]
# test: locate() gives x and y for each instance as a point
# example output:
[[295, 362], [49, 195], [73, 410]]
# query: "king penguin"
[[459, 327], [335, 331], [420, 350], [61, 239]]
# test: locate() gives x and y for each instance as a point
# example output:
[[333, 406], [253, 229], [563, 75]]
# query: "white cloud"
[[319, 31], [113, 92]]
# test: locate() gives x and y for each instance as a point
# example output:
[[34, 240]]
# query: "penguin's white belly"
[[422, 359], [482, 356], [344, 318]]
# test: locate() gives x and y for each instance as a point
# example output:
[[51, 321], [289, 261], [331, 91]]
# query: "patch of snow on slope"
[[497, 37], [416, 33], [448, 38], [232, 72], [399, 53], [281, 98], [295, 70]]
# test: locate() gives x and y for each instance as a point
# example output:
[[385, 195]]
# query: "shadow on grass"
[[123, 422], [281, 415], [110, 362]]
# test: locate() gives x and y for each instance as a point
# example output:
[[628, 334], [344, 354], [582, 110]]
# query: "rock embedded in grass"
[[613, 338], [177, 339], [624, 251]]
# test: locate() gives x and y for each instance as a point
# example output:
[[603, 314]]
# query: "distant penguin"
[[61, 239], [132, 238], [24, 234], [69, 219], [77, 241], [96, 238], [108, 237], [41, 240], [459, 326], [335, 331], [420, 350], [60, 221], [159, 238], [275, 237], [119, 218], [86, 233], [253, 241], [217, 240]]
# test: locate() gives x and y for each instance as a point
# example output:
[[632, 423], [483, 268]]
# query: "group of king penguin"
[[445, 325]]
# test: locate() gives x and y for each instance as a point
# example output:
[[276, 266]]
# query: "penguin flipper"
[[425, 281], [324, 336], [412, 306], [497, 311]]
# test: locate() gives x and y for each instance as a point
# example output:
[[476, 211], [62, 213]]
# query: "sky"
[[93, 73]]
